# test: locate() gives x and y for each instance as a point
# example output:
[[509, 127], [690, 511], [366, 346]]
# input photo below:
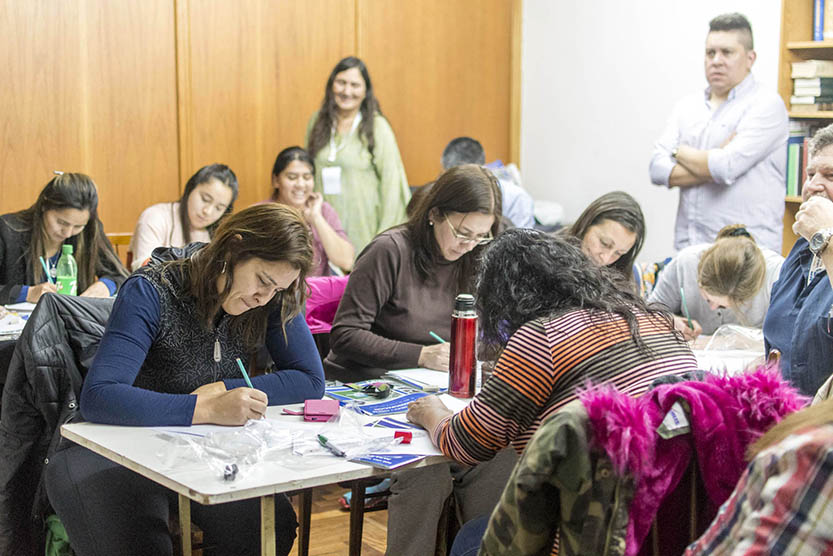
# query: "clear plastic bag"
[[736, 337], [732, 349], [234, 452], [342, 436], [229, 453]]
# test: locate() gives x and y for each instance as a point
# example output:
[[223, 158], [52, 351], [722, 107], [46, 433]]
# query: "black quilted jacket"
[[41, 393]]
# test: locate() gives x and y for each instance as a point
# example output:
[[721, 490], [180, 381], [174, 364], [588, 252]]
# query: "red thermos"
[[462, 368]]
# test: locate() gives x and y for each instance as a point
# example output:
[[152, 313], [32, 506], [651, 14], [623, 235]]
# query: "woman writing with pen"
[[727, 282], [403, 284], [169, 356], [66, 212], [401, 289]]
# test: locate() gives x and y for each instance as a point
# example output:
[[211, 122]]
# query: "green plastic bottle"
[[67, 272]]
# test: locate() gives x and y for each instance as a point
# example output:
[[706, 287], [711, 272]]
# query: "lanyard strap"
[[331, 156]]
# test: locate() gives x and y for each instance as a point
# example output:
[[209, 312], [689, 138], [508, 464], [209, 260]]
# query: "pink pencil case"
[[317, 410]]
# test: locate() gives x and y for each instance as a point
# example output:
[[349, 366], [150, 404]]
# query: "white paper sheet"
[[426, 377], [24, 307], [11, 324]]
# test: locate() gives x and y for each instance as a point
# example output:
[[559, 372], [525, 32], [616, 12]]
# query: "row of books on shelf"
[[800, 133], [822, 20], [796, 164], [812, 86]]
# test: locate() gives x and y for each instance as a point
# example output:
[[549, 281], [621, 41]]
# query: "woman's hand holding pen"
[[681, 324], [435, 357], [233, 407], [211, 389], [35, 292]]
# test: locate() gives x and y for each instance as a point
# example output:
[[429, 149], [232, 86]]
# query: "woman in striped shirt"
[[553, 321]]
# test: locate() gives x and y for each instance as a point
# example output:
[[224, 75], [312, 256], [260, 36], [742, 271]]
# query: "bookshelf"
[[797, 45]]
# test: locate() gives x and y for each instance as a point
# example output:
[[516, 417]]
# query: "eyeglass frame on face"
[[462, 238]]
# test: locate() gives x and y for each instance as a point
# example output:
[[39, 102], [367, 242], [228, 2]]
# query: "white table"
[[137, 447]]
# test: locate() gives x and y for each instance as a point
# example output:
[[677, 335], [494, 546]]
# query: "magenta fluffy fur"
[[625, 427]]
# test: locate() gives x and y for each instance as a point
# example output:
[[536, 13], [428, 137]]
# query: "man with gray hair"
[[799, 322], [725, 148], [517, 203]]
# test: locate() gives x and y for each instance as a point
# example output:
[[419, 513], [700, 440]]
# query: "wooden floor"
[[330, 528]]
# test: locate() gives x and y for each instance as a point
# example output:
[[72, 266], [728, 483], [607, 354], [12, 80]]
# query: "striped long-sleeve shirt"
[[543, 364]]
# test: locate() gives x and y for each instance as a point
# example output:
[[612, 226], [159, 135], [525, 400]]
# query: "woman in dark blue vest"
[[168, 356]]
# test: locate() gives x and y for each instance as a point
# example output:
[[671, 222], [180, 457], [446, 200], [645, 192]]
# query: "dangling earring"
[[225, 263]]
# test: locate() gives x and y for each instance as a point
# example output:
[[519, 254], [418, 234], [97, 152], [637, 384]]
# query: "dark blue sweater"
[[108, 394]]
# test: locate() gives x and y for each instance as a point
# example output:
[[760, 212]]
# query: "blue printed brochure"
[[397, 401], [388, 461]]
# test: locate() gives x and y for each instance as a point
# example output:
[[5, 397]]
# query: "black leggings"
[[108, 509]]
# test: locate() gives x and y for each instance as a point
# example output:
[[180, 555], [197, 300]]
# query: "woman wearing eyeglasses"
[[402, 287], [404, 283]]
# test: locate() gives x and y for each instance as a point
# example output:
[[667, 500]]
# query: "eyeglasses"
[[479, 240]]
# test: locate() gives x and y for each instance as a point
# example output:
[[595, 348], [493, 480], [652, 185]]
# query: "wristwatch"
[[819, 241]]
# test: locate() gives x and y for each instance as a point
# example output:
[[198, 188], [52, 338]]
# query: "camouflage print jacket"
[[561, 487]]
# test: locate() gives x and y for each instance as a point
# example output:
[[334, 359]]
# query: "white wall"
[[599, 79]]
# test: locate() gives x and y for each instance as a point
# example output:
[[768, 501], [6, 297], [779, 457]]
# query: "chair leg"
[[357, 489], [304, 512]]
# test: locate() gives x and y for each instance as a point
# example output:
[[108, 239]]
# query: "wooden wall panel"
[[440, 69], [89, 87], [141, 93], [257, 73]]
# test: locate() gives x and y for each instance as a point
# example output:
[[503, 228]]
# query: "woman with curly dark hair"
[[358, 168], [553, 320]]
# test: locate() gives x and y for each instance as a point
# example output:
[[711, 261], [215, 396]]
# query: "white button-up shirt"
[[749, 173]]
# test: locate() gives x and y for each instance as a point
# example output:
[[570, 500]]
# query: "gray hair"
[[734, 22], [823, 138], [463, 150]]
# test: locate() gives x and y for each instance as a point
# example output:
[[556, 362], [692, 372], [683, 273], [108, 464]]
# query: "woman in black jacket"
[[66, 212]]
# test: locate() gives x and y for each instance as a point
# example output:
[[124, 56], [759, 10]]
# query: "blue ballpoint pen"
[[436, 336], [46, 270], [245, 374]]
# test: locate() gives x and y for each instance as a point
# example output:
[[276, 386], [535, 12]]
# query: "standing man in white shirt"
[[726, 148]]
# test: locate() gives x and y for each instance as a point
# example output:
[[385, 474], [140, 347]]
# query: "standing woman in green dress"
[[358, 168]]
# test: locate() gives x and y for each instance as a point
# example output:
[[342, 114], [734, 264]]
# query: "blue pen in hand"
[[46, 270], [436, 336], [336, 451], [245, 374]]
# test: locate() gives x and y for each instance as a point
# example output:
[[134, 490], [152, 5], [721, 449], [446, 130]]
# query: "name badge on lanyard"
[[331, 175]]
